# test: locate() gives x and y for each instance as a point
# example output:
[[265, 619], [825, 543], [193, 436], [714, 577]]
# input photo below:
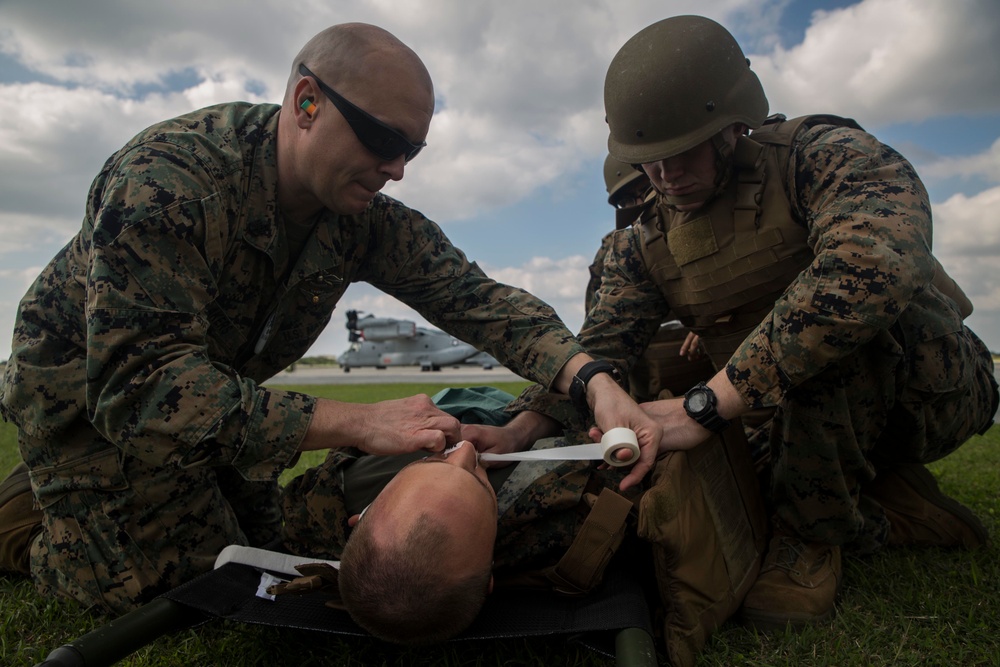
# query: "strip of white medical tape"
[[263, 559], [614, 440]]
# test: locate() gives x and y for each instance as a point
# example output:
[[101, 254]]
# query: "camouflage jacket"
[[868, 223], [158, 321], [539, 503]]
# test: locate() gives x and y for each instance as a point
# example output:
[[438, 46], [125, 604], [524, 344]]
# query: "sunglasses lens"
[[385, 143]]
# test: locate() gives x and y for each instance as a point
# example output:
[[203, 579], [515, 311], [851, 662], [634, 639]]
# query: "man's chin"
[[352, 207]]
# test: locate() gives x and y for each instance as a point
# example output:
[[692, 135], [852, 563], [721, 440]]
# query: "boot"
[[797, 585], [919, 514], [20, 522]]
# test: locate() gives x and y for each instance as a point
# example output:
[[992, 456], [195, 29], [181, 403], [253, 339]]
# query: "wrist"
[[591, 373], [529, 426]]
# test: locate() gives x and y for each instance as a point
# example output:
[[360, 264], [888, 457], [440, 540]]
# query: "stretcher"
[[614, 620]]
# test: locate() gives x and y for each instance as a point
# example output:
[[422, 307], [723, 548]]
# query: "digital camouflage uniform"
[[809, 279], [692, 530], [139, 351], [539, 504]]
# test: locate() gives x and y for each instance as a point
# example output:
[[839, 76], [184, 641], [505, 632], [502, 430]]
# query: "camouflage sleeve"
[[869, 225], [627, 311], [595, 270], [315, 509], [152, 388], [414, 261]]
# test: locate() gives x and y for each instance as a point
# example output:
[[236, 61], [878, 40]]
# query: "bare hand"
[[679, 430], [493, 439], [691, 347], [408, 425], [682, 432], [518, 435], [391, 427], [612, 408]]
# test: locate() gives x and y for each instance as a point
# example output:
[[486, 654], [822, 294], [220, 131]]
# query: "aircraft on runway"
[[385, 341]]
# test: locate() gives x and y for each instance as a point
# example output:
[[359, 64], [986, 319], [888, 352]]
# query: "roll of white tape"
[[617, 439], [614, 440]]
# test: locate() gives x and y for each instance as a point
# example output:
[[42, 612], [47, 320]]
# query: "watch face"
[[698, 401]]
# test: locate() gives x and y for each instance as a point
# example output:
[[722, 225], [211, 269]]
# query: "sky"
[[513, 166]]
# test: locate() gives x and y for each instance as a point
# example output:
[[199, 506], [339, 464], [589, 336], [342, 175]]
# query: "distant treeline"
[[322, 360], [325, 360]]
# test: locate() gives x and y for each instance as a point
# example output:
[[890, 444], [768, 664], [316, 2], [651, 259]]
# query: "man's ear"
[[489, 586], [352, 520], [303, 100]]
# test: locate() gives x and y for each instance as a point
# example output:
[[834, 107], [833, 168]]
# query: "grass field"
[[923, 607]]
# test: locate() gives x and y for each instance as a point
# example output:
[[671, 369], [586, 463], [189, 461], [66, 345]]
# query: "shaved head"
[[323, 158], [348, 54]]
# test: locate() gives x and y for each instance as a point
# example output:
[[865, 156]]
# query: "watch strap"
[[578, 385], [714, 422]]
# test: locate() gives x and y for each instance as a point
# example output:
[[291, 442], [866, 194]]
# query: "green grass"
[[924, 607]]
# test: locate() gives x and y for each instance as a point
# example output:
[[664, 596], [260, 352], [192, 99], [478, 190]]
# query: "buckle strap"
[[582, 566]]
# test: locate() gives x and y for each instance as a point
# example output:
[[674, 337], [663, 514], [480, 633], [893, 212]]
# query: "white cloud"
[[967, 226], [117, 44], [890, 61], [53, 142], [985, 165], [23, 232], [519, 85]]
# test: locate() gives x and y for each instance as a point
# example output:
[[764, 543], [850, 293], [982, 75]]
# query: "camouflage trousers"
[[117, 531], [878, 408]]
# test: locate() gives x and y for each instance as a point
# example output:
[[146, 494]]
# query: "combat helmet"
[[675, 84], [617, 175]]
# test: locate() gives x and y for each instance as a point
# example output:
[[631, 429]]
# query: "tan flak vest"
[[722, 267]]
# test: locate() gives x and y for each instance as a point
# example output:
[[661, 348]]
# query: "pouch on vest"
[[581, 567], [661, 366], [704, 518]]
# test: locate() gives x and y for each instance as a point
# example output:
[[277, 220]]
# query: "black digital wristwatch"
[[701, 405]]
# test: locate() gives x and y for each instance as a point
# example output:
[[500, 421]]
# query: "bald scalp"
[[398, 589], [344, 54]]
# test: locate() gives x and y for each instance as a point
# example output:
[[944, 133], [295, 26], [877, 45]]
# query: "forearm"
[[528, 427], [415, 262]]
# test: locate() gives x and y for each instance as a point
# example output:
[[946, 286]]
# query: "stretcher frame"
[[614, 620]]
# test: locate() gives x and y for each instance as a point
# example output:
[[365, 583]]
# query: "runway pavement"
[[470, 374]]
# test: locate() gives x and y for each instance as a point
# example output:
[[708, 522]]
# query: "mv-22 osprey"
[[384, 341]]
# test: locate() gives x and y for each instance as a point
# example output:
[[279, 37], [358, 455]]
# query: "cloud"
[[967, 226], [115, 45], [985, 165], [890, 61], [520, 110]]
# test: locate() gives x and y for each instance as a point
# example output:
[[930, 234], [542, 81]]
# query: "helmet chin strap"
[[723, 172], [697, 197]]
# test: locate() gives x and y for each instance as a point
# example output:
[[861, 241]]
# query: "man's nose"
[[666, 170], [465, 455], [393, 168]]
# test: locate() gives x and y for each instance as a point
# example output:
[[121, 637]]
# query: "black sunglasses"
[[376, 136]]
